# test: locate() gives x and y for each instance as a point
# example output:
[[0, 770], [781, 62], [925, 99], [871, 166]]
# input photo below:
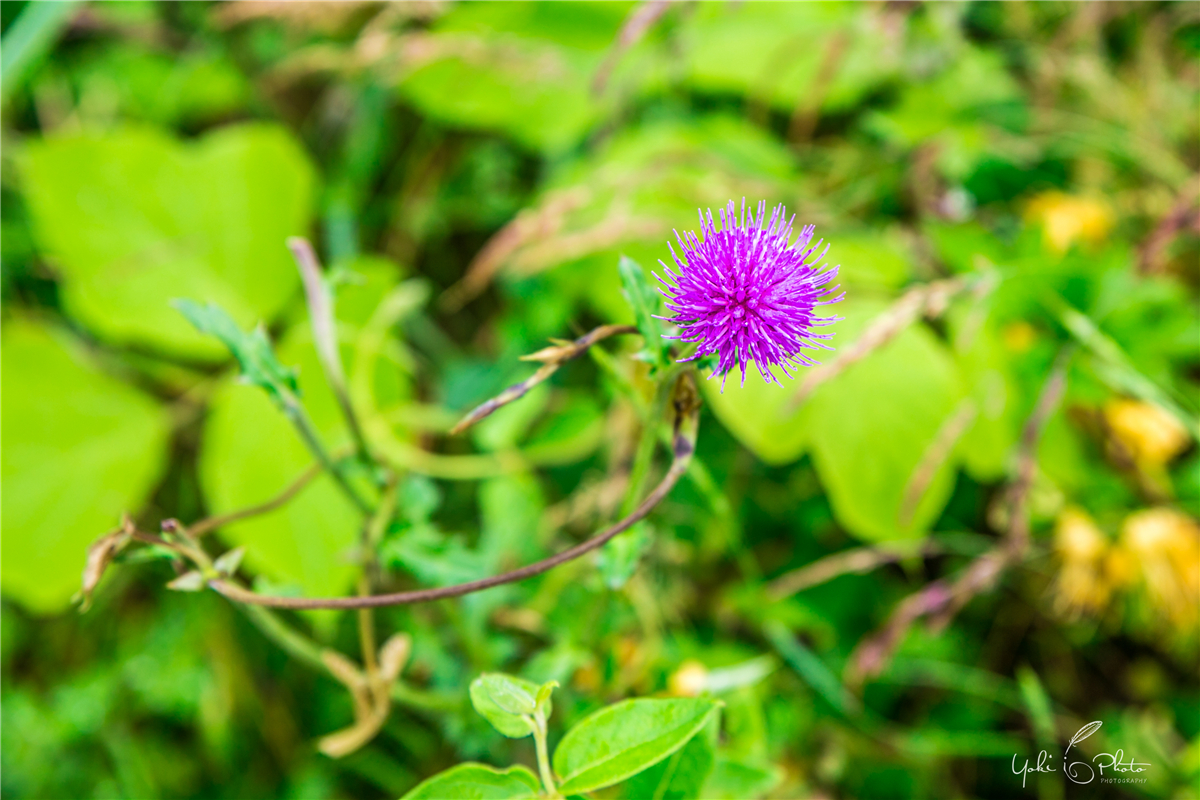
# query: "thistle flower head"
[[745, 294]]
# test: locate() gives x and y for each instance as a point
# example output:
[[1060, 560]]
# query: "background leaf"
[[80, 448], [134, 218]]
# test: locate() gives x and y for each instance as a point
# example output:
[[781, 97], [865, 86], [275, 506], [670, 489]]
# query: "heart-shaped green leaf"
[[80, 447], [621, 740], [132, 219], [477, 782]]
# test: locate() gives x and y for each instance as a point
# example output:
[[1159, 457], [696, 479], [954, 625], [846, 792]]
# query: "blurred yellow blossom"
[[1151, 435], [1166, 546], [1082, 585], [1067, 219], [1018, 336], [689, 680]]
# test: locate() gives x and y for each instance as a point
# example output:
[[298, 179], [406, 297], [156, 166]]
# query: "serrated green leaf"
[[478, 782], [619, 741], [80, 447], [645, 302], [252, 350]]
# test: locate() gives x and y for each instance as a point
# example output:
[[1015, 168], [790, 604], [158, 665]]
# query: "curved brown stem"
[[686, 403]]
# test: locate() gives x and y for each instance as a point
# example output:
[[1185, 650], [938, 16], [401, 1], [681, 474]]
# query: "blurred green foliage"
[[473, 175]]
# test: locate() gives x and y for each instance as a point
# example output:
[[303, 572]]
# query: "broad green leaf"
[[523, 69], [478, 782], [250, 452], [621, 740], [133, 218], [681, 776], [506, 701], [646, 303], [251, 349], [80, 447], [871, 429], [774, 52], [868, 428]]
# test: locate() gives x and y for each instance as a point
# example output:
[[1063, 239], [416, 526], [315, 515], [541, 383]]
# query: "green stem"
[[295, 412], [543, 755]]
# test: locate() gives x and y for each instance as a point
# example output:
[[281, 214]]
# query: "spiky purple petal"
[[744, 293]]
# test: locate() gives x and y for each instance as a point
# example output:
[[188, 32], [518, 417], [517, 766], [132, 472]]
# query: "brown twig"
[[1185, 210], [941, 600], [640, 20], [930, 298], [686, 403], [552, 358], [849, 562]]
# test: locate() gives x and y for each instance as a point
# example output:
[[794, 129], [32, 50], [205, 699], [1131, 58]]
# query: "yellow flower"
[[1082, 585], [1152, 436], [689, 680], [1166, 546], [1067, 219]]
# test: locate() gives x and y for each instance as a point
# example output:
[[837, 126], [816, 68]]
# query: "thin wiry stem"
[[552, 358], [686, 403], [220, 520]]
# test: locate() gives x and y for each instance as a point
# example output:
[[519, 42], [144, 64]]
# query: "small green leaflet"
[[252, 350], [510, 703]]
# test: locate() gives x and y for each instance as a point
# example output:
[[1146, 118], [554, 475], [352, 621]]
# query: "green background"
[[491, 162]]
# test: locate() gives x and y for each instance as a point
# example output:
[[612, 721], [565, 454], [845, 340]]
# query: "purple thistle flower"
[[747, 295]]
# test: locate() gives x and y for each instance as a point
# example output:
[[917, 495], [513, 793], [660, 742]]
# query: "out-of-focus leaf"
[[679, 777], [621, 740], [478, 782], [619, 558], [776, 52], [132, 219], [511, 511], [872, 427], [733, 779], [569, 433], [521, 68], [79, 449]]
